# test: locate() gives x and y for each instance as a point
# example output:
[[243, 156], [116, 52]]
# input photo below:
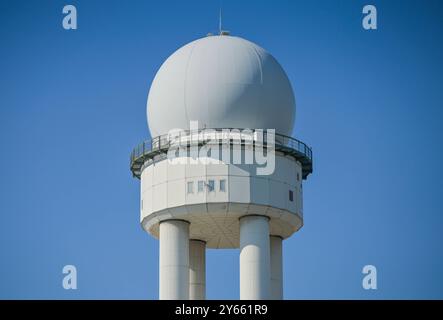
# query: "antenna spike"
[[220, 22]]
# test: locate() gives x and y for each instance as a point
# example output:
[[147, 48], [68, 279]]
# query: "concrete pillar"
[[197, 270], [276, 268], [254, 258], [174, 260]]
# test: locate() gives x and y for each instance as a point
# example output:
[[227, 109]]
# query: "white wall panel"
[[176, 193], [159, 197], [239, 189], [260, 190], [278, 192], [159, 172]]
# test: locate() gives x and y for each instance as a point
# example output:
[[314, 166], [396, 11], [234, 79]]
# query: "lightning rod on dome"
[[221, 32], [220, 22]]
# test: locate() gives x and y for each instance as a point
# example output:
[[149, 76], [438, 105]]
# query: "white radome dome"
[[221, 82]]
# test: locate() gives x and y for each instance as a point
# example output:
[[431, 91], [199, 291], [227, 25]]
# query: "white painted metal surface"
[[276, 268], [214, 214], [223, 82], [174, 260], [254, 258], [197, 270]]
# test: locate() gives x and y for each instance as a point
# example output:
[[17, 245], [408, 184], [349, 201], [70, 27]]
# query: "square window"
[[211, 185], [223, 185], [200, 186], [190, 188], [291, 195]]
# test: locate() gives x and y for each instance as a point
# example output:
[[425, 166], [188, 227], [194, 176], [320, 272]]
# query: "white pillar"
[[276, 268], [254, 258], [197, 272], [174, 260]]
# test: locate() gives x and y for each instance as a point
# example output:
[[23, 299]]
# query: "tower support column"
[[174, 260], [254, 258], [276, 268], [197, 270]]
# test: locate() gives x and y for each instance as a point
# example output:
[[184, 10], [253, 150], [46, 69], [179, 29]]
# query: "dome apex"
[[222, 82]]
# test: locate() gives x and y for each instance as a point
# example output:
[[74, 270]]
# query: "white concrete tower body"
[[204, 199]]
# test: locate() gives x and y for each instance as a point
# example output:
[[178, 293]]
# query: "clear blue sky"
[[72, 106]]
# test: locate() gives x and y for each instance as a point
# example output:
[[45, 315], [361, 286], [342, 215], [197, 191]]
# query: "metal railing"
[[149, 148]]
